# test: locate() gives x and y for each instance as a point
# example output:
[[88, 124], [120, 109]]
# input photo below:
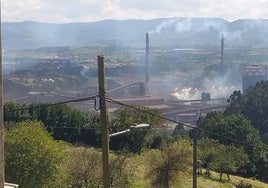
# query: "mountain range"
[[168, 32]]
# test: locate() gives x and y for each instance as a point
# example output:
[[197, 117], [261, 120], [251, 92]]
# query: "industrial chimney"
[[147, 59], [222, 50]]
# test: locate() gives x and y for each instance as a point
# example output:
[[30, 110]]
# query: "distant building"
[[253, 74]]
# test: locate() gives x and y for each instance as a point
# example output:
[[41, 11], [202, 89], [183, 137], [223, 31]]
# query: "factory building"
[[253, 74]]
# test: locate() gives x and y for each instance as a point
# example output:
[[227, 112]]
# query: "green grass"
[[214, 182]]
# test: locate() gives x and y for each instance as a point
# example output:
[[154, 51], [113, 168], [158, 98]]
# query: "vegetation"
[[236, 126], [236, 130], [86, 167], [136, 140], [124, 117], [253, 104], [168, 164], [143, 158], [221, 158], [162, 160], [243, 124], [33, 158], [65, 123]]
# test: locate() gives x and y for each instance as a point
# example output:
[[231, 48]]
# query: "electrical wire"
[[135, 108], [187, 125], [58, 103]]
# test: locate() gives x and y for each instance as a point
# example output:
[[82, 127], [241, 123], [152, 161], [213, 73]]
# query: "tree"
[[207, 149], [237, 130], [14, 113], [33, 158], [228, 160], [66, 123], [228, 129], [132, 141], [70, 124], [157, 140], [164, 167], [86, 167], [11, 112], [253, 104], [221, 158], [125, 117]]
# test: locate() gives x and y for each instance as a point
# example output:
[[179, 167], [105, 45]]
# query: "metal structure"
[[11, 185], [222, 50], [131, 128], [253, 74], [147, 78]]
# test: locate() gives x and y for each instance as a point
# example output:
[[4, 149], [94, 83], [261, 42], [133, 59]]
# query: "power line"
[[147, 112], [60, 103], [57, 103], [135, 108], [187, 125]]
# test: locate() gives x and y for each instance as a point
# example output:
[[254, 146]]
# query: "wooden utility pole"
[[2, 164], [194, 131], [104, 124]]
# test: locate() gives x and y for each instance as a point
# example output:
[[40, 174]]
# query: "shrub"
[[33, 158]]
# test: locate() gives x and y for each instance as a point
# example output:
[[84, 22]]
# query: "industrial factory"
[[253, 74], [181, 97], [187, 102]]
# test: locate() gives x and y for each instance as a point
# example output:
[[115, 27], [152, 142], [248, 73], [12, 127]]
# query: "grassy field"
[[214, 182]]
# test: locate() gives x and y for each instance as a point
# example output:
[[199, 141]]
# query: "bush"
[[33, 158], [86, 167], [164, 169]]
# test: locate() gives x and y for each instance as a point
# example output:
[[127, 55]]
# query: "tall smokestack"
[[222, 49], [147, 59]]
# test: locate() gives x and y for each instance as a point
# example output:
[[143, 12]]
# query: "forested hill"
[[172, 32]]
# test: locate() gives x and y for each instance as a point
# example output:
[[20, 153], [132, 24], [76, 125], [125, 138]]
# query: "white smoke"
[[184, 25], [221, 86], [163, 25], [84, 71], [218, 86], [186, 93], [232, 35], [188, 24]]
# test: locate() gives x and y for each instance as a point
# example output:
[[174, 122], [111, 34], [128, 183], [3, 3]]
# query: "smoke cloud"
[[231, 30], [190, 24], [163, 25]]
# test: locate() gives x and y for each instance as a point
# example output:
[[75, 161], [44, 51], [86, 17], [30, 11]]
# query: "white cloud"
[[92, 10]]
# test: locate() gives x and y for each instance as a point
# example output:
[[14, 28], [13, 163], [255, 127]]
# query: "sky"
[[66, 11]]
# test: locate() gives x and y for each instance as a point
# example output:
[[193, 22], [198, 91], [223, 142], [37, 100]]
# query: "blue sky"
[[62, 11]]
